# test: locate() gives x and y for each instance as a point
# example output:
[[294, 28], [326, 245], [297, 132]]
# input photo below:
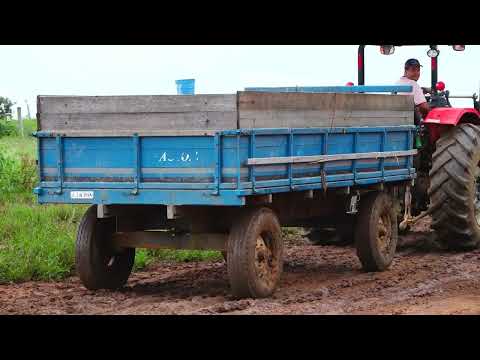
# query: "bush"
[[18, 175], [8, 128]]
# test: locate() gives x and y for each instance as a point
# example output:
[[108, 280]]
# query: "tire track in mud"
[[316, 280]]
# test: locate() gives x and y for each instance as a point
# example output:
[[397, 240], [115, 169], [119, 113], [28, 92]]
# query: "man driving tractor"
[[410, 77]]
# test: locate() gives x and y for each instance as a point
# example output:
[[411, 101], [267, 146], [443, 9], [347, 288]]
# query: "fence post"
[[20, 120]]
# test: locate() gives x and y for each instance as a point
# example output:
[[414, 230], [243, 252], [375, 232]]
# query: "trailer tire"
[[254, 253], [454, 188], [376, 232], [98, 265]]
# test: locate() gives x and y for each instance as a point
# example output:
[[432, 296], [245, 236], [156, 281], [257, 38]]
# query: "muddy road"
[[316, 280]]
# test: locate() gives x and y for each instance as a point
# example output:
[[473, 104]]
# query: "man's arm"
[[424, 109], [420, 100]]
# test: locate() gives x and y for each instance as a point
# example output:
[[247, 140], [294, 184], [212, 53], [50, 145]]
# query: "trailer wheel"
[[99, 265], [254, 254], [455, 188], [376, 232]]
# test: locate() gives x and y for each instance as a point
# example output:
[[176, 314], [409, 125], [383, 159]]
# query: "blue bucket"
[[185, 87]]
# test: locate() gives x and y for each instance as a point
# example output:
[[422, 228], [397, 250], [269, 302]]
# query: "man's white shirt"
[[418, 96]]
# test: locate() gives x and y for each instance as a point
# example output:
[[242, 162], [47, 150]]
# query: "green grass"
[[18, 173], [15, 147], [145, 257], [29, 126], [12, 128], [37, 242]]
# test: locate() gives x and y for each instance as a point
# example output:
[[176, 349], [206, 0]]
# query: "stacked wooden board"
[[205, 114]]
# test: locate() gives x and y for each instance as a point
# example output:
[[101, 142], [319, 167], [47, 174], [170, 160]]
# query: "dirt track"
[[316, 280]]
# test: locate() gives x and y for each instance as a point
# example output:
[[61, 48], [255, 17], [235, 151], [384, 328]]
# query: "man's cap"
[[412, 62]]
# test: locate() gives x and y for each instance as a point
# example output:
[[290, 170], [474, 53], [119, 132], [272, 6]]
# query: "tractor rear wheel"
[[454, 188]]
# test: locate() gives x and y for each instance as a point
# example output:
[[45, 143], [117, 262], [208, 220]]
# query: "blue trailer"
[[224, 171]]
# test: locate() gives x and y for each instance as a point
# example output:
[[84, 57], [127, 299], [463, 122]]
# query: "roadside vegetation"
[[37, 242]]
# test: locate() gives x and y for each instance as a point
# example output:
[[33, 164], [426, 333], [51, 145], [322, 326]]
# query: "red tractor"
[[448, 163]]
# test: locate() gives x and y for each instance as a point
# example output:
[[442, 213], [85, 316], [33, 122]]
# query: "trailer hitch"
[[408, 219]]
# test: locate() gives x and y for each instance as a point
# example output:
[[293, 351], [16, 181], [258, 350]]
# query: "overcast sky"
[[28, 71]]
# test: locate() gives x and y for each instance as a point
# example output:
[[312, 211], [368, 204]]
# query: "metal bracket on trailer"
[[59, 142], [353, 204], [218, 156], [309, 194], [136, 161], [102, 211], [172, 212], [324, 180]]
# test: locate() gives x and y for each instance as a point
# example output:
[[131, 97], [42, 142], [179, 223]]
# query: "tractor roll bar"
[[434, 67], [361, 65]]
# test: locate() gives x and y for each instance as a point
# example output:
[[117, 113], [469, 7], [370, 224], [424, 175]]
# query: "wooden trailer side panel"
[[110, 115], [306, 110], [206, 114]]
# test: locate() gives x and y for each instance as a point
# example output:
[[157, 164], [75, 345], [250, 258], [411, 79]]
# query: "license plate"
[[81, 195]]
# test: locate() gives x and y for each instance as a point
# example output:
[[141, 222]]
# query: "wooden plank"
[[285, 101], [327, 158], [374, 102], [136, 104], [137, 122], [284, 119], [387, 120], [317, 118], [319, 101], [267, 110]]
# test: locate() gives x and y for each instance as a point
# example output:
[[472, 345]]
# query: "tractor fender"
[[451, 116], [440, 119]]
